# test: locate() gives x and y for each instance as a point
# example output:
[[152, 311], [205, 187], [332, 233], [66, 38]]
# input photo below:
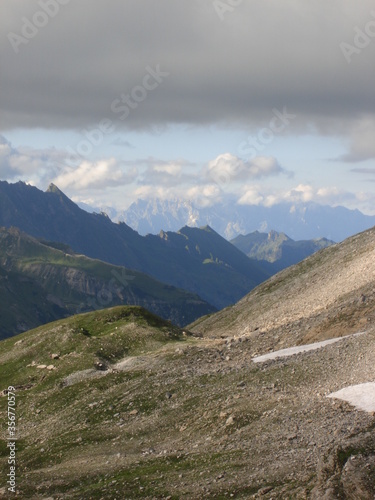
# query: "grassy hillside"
[[39, 283], [120, 404]]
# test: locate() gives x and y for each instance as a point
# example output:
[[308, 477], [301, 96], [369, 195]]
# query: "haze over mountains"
[[197, 260], [277, 248], [300, 221]]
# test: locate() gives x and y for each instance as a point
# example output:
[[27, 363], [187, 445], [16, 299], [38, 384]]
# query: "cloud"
[[95, 175], [252, 196], [305, 193], [227, 168], [26, 163], [171, 173], [362, 143], [261, 55], [204, 196], [367, 171]]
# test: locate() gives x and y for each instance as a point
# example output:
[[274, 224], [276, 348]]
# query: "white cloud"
[[227, 168], [170, 168], [302, 192], [94, 175], [28, 164], [173, 173], [252, 196], [205, 195], [305, 193]]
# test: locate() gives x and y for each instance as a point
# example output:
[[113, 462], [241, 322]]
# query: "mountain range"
[[40, 283], [300, 221], [277, 248], [47, 276], [118, 403], [197, 260]]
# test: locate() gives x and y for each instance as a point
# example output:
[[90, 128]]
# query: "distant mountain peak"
[[63, 198], [207, 228], [52, 188], [303, 221]]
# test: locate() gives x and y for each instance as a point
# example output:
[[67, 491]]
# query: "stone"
[[230, 420]]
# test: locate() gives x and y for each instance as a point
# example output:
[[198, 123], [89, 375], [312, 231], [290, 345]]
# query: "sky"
[[263, 101]]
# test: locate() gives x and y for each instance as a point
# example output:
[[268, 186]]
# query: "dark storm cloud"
[[144, 63]]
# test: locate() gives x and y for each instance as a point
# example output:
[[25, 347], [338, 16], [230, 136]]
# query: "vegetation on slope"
[[121, 404], [39, 283]]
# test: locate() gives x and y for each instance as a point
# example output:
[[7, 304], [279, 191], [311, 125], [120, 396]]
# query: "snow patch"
[[283, 353], [361, 396]]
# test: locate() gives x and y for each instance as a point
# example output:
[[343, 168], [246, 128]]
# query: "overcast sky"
[[263, 100]]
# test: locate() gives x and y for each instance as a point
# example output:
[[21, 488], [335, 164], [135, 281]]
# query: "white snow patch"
[[361, 396], [283, 353]]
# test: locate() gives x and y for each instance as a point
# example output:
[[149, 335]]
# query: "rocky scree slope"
[[329, 294]]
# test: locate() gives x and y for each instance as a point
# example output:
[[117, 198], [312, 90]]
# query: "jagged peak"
[[52, 188], [206, 228]]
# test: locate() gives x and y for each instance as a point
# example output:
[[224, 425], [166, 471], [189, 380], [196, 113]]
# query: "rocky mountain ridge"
[[300, 221], [277, 248]]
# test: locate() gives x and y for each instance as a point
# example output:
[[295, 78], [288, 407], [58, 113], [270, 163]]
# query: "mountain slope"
[[120, 404], [205, 256], [301, 221], [278, 248], [328, 294], [39, 283], [215, 274]]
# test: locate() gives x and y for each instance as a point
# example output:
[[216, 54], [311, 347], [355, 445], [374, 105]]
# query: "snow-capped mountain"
[[298, 221]]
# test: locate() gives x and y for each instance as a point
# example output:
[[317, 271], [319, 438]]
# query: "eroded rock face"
[[358, 477], [347, 473]]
